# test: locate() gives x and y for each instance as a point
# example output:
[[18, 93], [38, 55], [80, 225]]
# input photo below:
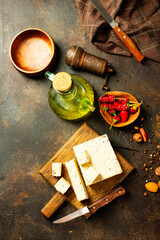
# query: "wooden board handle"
[[56, 201], [129, 44], [119, 191]]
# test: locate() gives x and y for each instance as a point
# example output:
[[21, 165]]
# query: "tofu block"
[[103, 158], [62, 185], [76, 180], [56, 169]]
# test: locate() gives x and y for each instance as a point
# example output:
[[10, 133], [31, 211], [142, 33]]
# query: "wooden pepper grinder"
[[79, 59]]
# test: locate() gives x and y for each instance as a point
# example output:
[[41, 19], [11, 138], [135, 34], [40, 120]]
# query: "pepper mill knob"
[[79, 59]]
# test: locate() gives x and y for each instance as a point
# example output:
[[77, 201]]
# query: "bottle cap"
[[62, 81]]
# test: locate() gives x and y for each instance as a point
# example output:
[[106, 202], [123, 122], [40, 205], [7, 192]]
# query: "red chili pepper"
[[125, 106], [123, 100], [111, 106], [124, 116], [133, 109], [115, 120], [109, 98], [143, 133], [104, 107], [112, 112], [120, 107]]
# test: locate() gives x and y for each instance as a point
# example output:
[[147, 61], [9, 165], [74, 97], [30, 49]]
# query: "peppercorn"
[[144, 165], [145, 150], [145, 194]]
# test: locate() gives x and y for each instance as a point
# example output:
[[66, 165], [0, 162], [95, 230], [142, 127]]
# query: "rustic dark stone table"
[[31, 134]]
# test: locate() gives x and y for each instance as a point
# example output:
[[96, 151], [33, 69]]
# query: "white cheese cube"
[[76, 180], [56, 169], [103, 158], [62, 185]]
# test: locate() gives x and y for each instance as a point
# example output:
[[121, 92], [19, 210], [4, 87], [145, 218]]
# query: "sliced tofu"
[[84, 156], [91, 174], [62, 185], [103, 158], [56, 169], [76, 180]]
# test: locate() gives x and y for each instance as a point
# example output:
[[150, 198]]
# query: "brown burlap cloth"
[[139, 19]]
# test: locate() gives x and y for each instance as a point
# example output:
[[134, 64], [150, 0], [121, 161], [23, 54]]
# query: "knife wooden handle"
[[56, 201], [119, 191], [129, 44]]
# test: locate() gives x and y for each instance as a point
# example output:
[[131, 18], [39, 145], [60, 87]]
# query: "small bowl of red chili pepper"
[[119, 109]]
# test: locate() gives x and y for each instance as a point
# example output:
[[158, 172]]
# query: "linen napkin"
[[139, 19]]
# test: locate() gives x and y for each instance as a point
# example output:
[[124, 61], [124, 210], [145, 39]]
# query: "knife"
[[124, 37], [119, 191]]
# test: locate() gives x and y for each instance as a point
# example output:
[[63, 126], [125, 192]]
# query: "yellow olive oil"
[[75, 103]]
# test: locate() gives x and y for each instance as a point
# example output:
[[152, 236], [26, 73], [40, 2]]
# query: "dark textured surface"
[[31, 133]]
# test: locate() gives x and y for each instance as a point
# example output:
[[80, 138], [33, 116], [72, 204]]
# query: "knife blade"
[[119, 191], [123, 36]]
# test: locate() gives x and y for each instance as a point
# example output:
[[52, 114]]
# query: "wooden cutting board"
[[96, 191]]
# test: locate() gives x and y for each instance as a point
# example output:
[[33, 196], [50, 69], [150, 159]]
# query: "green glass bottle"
[[70, 96]]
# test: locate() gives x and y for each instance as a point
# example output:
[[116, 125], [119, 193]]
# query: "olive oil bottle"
[[70, 96]]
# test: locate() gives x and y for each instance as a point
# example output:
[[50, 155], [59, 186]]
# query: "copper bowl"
[[132, 117], [32, 51]]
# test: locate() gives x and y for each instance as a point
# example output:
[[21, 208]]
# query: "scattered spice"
[[143, 133], [145, 194], [137, 137], [157, 171], [144, 165], [142, 119], [158, 146], [136, 128], [145, 150], [151, 186]]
